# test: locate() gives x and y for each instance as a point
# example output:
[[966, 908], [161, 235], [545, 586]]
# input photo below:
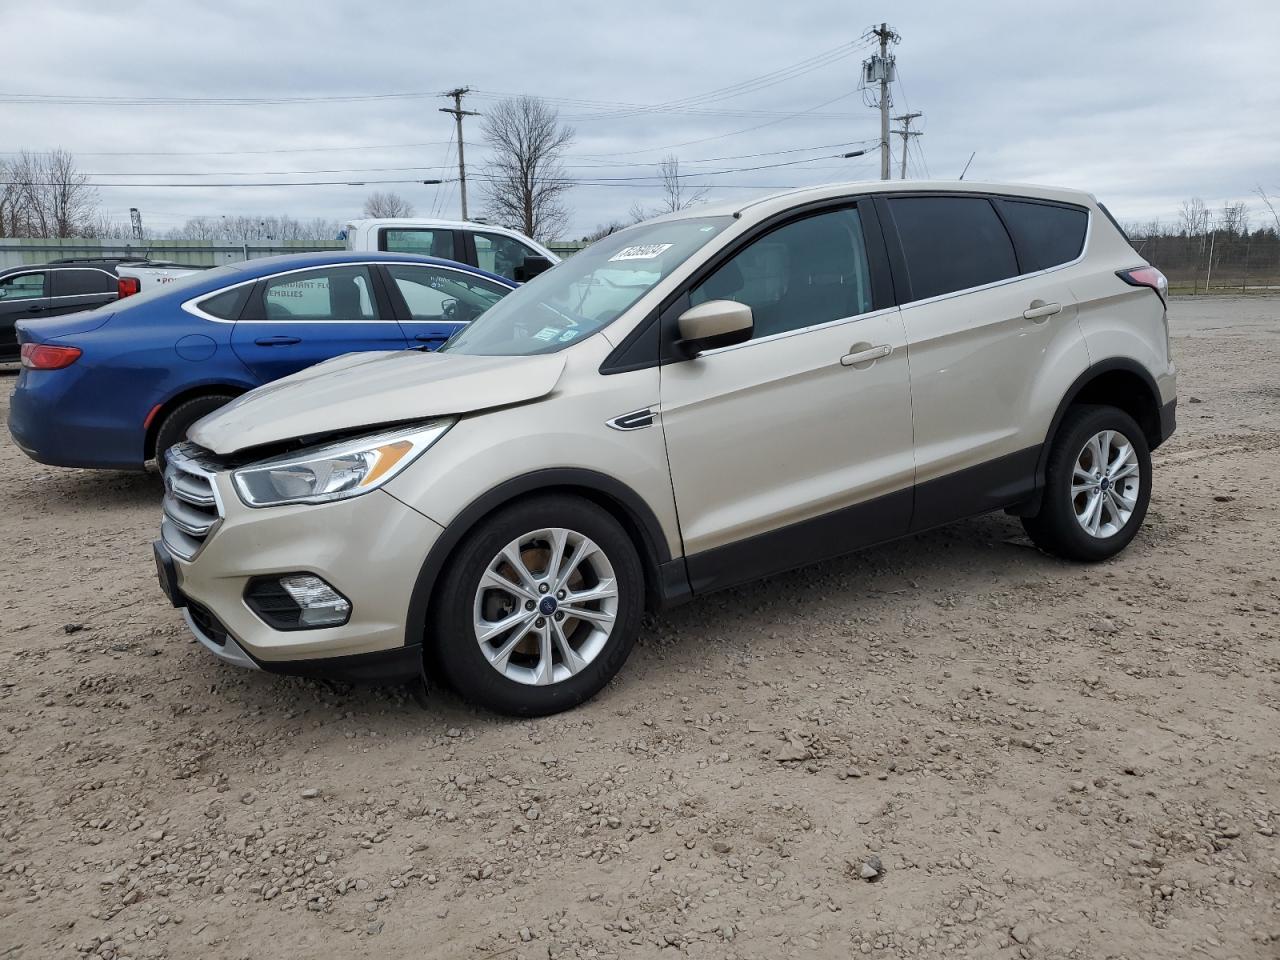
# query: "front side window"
[[427, 243], [1047, 234], [440, 294], [587, 292], [804, 273], [329, 293], [23, 286], [501, 255], [951, 243]]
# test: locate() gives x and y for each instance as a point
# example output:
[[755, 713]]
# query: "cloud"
[[1143, 107]]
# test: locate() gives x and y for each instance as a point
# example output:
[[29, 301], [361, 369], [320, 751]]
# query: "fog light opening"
[[297, 601]]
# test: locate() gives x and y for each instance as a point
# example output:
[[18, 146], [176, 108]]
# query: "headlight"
[[337, 471]]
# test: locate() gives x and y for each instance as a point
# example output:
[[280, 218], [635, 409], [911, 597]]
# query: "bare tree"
[[676, 196], [526, 182], [46, 196], [380, 205], [1267, 202], [1193, 217], [640, 213], [603, 230]]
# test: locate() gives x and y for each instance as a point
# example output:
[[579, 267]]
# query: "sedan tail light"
[[43, 356], [127, 286], [1147, 277]]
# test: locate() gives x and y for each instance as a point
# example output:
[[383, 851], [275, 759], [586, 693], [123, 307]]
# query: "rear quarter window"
[[951, 243], [1047, 234], [227, 304]]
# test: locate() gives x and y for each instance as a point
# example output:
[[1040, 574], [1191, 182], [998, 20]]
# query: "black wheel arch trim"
[[665, 578], [1095, 370]]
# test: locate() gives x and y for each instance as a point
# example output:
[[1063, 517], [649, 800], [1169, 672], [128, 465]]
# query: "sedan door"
[[795, 445], [22, 295], [297, 319], [433, 303]]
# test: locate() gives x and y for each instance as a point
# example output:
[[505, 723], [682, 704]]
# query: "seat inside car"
[[824, 280]]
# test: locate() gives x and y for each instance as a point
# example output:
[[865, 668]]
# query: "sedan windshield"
[[586, 292]]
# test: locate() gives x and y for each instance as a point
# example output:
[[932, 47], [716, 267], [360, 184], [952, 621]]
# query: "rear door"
[[989, 338], [22, 295], [297, 319], [433, 303], [82, 288]]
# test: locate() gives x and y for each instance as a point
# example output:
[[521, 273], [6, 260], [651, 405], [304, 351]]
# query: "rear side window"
[[227, 304], [1047, 234], [427, 243], [952, 243], [325, 295], [79, 281]]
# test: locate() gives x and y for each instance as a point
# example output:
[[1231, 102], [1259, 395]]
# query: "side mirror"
[[716, 323], [530, 268]]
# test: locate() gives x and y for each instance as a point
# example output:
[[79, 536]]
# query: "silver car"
[[695, 402]]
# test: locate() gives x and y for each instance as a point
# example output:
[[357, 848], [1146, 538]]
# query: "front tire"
[[540, 607], [1097, 486]]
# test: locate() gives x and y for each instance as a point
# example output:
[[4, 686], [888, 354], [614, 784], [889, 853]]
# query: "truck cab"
[[493, 249]]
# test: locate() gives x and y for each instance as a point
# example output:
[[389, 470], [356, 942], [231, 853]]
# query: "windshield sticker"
[[642, 251], [547, 333], [568, 335]]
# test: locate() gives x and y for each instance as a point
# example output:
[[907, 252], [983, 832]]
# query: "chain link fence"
[[1216, 262]]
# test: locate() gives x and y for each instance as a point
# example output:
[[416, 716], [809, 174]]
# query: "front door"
[[435, 302], [22, 295], [795, 445], [298, 319]]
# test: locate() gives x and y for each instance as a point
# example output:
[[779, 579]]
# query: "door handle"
[[277, 341], [866, 356], [36, 309], [428, 338], [1039, 310]]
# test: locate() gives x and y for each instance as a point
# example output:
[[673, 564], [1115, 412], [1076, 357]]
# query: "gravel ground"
[[953, 745]]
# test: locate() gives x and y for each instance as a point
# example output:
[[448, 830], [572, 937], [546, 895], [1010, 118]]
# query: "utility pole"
[[458, 114], [880, 70], [906, 133]]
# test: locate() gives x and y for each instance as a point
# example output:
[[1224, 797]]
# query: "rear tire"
[[173, 428], [1097, 486], [546, 659]]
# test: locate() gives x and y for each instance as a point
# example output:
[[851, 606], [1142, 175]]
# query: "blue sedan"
[[113, 387]]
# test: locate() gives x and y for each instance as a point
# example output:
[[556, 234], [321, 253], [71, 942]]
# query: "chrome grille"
[[191, 511]]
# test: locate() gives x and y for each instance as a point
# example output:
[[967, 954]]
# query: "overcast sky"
[[1143, 105]]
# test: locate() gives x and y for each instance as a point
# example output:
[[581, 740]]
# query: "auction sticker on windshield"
[[641, 251]]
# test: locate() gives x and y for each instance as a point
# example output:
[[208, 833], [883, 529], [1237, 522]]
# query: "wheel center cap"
[[1105, 484], [547, 606]]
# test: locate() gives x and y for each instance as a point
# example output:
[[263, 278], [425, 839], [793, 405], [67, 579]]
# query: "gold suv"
[[688, 404]]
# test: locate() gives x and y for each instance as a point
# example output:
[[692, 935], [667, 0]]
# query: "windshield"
[[587, 292]]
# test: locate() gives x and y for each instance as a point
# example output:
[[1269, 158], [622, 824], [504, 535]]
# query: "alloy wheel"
[[545, 606], [1105, 484]]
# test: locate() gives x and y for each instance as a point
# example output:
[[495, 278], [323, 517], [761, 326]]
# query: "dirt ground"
[[1045, 760]]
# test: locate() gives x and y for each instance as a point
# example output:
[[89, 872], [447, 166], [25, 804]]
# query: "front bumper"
[[370, 548]]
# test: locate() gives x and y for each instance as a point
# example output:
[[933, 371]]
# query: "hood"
[[371, 389]]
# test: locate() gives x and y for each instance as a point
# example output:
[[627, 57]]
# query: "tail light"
[[127, 286], [44, 356], [1147, 277]]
